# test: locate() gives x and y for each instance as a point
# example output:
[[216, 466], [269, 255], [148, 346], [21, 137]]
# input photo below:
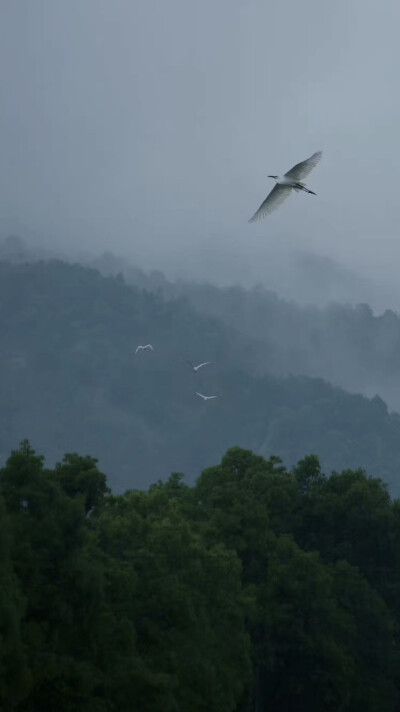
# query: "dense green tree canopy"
[[257, 588]]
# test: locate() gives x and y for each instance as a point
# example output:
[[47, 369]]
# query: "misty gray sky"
[[149, 126]]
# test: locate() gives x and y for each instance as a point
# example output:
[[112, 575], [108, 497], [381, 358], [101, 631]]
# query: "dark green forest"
[[71, 382], [257, 588], [257, 584]]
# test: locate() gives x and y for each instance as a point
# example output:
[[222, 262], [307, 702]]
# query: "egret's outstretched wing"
[[301, 170], [144, 348], [200, 365], [273, 200]]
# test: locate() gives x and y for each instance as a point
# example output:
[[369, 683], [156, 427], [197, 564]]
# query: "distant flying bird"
[[144, 348], [205, 397], [285, 184], [200, 365]]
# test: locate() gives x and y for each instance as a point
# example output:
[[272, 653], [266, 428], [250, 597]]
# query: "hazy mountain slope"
[[69, 381], [346, 344]]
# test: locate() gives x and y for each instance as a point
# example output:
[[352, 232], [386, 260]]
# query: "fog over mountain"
[[300, 276], [149, 128], [138, 140]]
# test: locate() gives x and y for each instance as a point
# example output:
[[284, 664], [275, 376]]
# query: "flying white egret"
[[200, 365], [292, 180], [205, 397], [144, 348]]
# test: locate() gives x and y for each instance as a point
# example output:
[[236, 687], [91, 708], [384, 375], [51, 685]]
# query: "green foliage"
[[14, 674], [313, 617], [258, 588], [80, 478], [187, 606]]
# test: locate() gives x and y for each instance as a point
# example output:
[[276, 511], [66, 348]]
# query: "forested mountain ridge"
[[70, 381], [256, 588], [346, 344]]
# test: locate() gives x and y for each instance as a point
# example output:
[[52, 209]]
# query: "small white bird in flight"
[[200, 365], [205, 397], [144, 348], [292, 180]]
